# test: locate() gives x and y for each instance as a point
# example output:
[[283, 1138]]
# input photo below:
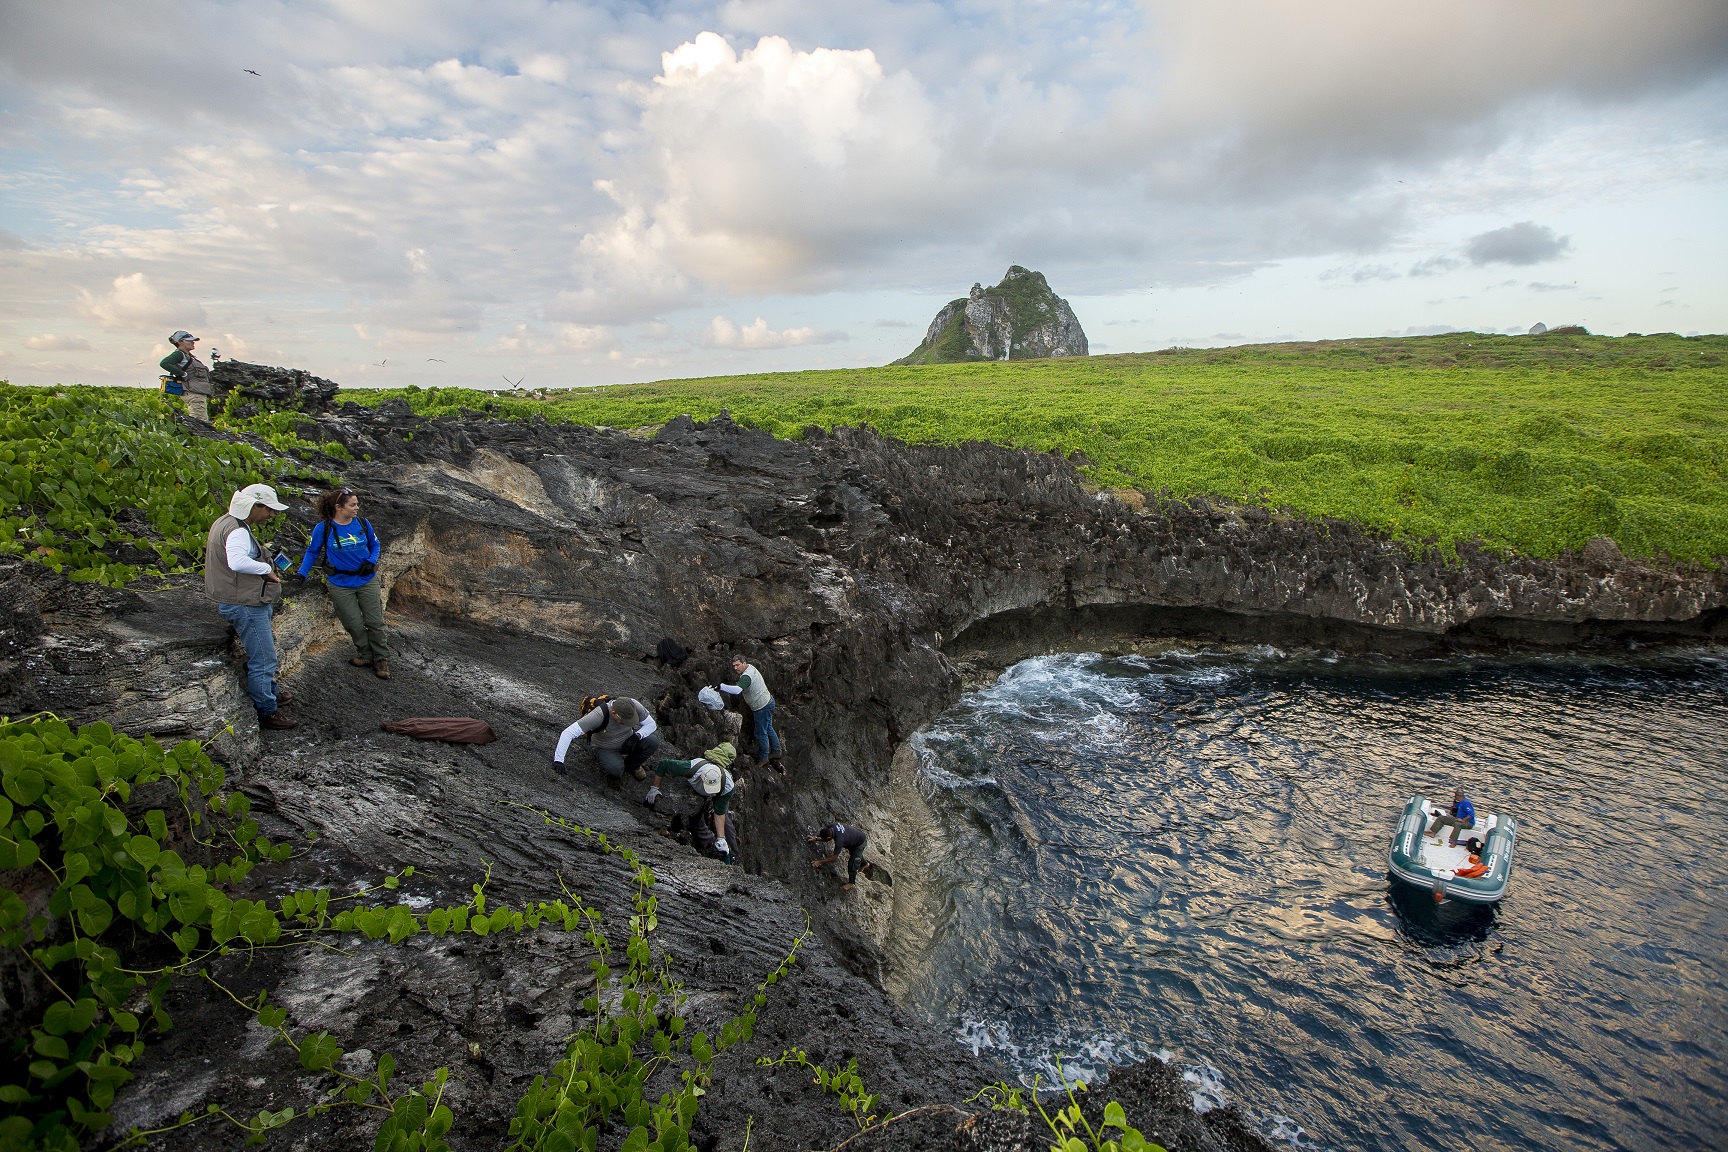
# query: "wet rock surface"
[[528, 564]]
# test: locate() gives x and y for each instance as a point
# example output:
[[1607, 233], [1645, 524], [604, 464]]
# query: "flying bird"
[[249, 72], [382, 362], [433, 360]]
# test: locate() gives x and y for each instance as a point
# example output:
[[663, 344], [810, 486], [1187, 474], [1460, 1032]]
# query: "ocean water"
[[1184, 855]]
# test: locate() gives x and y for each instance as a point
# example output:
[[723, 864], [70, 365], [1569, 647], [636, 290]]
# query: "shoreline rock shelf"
[[528, 564]]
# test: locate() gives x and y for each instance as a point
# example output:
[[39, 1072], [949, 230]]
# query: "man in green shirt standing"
[[187, 376]]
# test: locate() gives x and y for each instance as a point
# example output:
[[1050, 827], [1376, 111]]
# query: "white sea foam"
[[1054, 1061], [1207, 1083], [1286, 1131], [987, 1035]]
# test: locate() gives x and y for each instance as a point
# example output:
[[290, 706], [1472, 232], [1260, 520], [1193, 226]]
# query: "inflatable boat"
[[1427, 862]]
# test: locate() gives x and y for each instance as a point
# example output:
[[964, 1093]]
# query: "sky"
[[560, 194]]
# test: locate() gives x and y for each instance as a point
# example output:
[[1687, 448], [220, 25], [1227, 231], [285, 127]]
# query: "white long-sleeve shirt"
[[240, 558], [591, 723]]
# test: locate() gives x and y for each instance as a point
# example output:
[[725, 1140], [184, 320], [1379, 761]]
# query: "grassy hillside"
[[1534, 444]]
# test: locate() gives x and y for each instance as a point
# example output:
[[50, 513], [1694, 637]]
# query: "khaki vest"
[[756, 695], [226, 586], [198, 378]]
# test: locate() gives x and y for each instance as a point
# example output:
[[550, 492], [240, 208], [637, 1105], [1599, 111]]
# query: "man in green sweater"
[[708, 777], [187, 376]]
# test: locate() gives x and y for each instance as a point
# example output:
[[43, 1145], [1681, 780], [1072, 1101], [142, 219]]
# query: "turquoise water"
[[1185, 854]]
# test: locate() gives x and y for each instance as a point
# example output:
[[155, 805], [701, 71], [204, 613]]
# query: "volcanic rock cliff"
[[527, 564], [1018, 319]]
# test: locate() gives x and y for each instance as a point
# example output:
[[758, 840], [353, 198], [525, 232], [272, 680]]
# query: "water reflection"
[[1186, 852]]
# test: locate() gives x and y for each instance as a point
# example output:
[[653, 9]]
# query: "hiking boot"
[[276, 720], [283, 696], [360, 661], [639, 772], [381, 669]]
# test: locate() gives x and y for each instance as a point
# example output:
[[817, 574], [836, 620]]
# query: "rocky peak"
[[1018, 319]]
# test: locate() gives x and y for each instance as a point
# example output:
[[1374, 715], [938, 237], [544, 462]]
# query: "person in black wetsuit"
[[848, 838]]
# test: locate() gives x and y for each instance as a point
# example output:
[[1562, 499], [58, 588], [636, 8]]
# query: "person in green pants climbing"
[[349, 550]]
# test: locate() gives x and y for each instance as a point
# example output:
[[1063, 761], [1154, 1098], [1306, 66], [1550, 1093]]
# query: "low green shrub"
[[85, 469], [87, 472], [66, 814]]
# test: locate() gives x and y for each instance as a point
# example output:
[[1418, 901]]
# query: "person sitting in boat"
[[1460, 818]]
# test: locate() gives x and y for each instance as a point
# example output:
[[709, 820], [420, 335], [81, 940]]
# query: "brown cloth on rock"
[[450, 729]]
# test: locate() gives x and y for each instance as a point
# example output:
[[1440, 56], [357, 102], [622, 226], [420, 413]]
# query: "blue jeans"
[[767, 740], [252, 622]]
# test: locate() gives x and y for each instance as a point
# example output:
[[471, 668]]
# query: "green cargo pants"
[[361, 611]]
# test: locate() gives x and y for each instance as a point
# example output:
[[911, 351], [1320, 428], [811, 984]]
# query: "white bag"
[[711, 700]]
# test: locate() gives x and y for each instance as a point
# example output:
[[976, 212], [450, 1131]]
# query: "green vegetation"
[[845, 1083], [87, 471], [91, 475], [73, 812], [1530, 444], [1068, 1123]]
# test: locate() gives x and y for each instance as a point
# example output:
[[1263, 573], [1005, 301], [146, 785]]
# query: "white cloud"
[[49, 342], [767, 170], [132, 302], [722, 333]]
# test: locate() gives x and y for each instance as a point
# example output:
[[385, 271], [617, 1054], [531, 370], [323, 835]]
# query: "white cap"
[[249, 497]]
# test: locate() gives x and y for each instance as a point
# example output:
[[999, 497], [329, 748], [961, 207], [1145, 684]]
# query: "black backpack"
[[589, 703]]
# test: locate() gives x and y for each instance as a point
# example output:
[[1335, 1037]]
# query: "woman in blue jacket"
[[348, 549]]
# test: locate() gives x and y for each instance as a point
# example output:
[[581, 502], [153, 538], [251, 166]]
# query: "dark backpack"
[[589, 703], [670, 652]]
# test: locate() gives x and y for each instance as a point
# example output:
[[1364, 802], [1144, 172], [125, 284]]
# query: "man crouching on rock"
[[246, 588], [622, 735], [847, 838]]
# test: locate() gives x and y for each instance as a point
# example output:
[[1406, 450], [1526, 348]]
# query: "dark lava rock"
[[1602, 553], [274, 387]]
